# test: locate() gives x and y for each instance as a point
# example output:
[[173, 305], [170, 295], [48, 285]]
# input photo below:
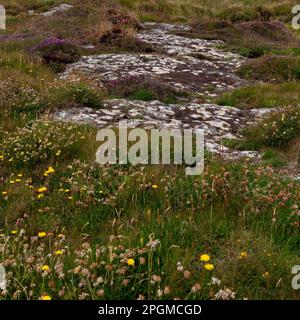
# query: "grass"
[[272, 69], [262, 96], [144, 89], [191, 10], [84, 231]]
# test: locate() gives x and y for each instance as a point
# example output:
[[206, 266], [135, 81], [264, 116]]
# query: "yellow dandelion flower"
[[40, 196], [131, 262], [204, 258], [42, 189], [58, 252], [46, 298], [42, 234], [209, 267], [20, 175], [154, 186], [45, 268], [4, 193], [18, 180], [14, 232], [12, 182], [1, 157]]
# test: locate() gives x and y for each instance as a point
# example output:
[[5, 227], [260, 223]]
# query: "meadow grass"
[[72, 229]]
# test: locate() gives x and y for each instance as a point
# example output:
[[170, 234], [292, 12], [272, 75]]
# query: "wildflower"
[[14, 232], [196, 288], [12, 182], [46, 298], [42, 234], [18, 180], [226, 294], [58, 252], [243, 255], [209, 267], [42, 190], [204, 258], [1, 157], [131, 262], [49, 171], [266, 274], [4, 193], [40, 196], [154, 186], [45, 268], [20, 175]]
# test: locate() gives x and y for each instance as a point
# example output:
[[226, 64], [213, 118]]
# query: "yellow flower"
[[49, 171], [45, 298], [243, 255], [131, 262], [266, 274], [40, 196], [14, 232], [41, 190], [58, 252], [42, 234], [20, 175], [45, 267], [204, 257], [154, 186], [4, 193], [1, 157], [18, 180], [11, 182], [60, 235], [70, 198], [209, 267]]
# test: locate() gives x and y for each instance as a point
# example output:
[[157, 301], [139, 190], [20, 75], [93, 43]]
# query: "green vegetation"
[[272, 68], [263, 96], [73, 229]]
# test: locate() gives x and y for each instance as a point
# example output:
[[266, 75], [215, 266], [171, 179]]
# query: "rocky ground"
[[195, 66]]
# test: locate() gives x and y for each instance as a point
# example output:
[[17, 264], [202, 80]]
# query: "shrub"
[[57, 53], [275, 131], [74, 95]]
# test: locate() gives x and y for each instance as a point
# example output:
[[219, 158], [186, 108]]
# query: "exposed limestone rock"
[[190, 65], [53, 11]]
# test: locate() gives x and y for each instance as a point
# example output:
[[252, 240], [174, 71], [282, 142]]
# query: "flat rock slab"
[[190, 65], [217, 122], [61, 8]]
